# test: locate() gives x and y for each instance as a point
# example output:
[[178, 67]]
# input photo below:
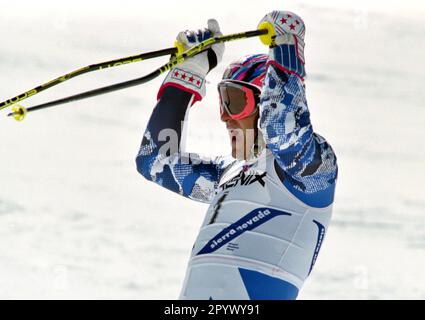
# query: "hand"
[[190, 75], [287, 40], [207, 60]]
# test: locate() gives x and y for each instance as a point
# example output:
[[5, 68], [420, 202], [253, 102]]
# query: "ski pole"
[[20, 112], [83, 70]]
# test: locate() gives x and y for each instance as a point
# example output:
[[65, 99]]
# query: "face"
[[242, 134]]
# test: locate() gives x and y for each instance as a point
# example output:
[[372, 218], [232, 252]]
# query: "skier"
[[271, 201]]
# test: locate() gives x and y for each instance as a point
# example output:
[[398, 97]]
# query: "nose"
[[224, 116]]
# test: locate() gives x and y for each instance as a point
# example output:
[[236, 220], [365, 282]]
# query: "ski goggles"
[[238, 98]]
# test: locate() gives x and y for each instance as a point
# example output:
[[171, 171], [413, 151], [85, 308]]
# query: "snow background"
[[76, 219]]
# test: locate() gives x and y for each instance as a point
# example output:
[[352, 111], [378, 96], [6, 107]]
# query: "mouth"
[[233, 134], [233, 140]]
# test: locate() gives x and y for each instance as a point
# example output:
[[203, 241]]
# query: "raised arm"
[[162, 158], [305, 162]]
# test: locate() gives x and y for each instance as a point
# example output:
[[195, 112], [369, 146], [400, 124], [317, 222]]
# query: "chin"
[[237, 149], [237, 155]]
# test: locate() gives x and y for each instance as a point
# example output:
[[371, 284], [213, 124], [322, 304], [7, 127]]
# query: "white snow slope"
[[76, 219]]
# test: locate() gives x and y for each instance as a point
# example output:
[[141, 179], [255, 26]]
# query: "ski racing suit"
[[267, 216]]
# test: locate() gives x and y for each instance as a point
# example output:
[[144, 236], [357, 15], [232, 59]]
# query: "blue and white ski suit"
[[267, 216]]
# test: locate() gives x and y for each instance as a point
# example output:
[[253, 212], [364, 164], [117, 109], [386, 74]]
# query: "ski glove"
[[190, 75], [287, 41]]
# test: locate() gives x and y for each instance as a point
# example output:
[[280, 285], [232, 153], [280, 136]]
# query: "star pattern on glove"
[[187, 77], [287, 23]]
